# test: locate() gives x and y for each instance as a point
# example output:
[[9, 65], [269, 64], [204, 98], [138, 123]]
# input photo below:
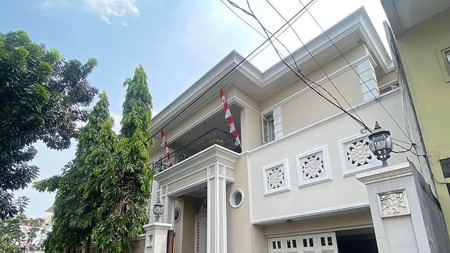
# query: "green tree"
[[12, 238], [11, 235], [42, 96], [126, 182], [79, 194]]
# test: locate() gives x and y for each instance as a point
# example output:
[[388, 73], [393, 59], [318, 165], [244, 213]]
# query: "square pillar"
[[406, 216], [216, 209], [156, 237], [368, 79]]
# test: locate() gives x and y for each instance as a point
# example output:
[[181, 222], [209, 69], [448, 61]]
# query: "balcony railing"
[[214, 136]]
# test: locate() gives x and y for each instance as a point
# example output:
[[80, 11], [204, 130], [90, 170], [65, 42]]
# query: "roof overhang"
[[404, 14], [354, 29]]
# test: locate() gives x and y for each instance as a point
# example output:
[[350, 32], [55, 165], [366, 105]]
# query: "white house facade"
[[303, 179]]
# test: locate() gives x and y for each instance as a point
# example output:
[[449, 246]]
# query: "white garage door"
[[314, 243]]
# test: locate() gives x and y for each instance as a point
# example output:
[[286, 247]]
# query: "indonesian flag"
[[229, 118], [166, 146]]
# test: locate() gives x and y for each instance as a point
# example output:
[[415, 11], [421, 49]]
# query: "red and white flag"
[[166, 146], [229, 118]]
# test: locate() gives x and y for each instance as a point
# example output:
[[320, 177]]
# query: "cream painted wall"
[[251, 131], [331, 67], [341, 192], [323, 224], [238, 219], [310, 108], [191, 208], [430, 92]]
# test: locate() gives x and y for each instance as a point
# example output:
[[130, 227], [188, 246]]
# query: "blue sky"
[[176, 41]]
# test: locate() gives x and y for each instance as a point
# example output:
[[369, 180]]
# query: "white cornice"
[[355, 207], [346, 34], [386, 173]]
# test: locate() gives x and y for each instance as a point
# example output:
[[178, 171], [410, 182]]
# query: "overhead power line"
[[299, 74], [314, 59], [227, 73], [364, 82]]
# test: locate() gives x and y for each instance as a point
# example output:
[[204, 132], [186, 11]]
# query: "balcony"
[[212, 137]]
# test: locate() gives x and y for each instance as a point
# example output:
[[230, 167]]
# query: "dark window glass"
[[445, 164]]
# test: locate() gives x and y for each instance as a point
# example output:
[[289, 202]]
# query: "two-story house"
[[303, 178]]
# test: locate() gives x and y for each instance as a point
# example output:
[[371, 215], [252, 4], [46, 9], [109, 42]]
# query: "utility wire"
[[345, 58], [226, 74], [312, 56], [299, 75], [256, 30]]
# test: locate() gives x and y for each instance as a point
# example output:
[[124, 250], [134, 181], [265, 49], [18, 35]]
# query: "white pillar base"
[[156, 237]]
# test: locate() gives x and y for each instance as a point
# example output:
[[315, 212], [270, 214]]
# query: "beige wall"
[[251, 131], [309, 108], [342, 191], [323, 224], [191, 208], [430, 92]]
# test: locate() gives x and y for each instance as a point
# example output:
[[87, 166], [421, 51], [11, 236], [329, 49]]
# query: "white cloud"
[[108, 9]]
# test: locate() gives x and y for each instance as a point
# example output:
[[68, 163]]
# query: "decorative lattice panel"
[[276, 177], [313, 166], [358, 153], [356, 156]]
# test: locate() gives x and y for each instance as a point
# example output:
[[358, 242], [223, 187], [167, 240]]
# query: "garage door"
[[313, 243]]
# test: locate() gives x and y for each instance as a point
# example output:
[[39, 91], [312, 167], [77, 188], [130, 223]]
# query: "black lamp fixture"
[[380, 143], [158, 210]]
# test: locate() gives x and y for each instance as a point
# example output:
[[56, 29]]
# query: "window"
[[236, 198], [313, 243], [444, 61], [445, 164], [268, 128], [177, 214]]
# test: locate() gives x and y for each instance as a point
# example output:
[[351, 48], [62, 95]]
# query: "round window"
[[236, 198], [177, 214]]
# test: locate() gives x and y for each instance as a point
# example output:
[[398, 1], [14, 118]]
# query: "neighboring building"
[[304, 179], [422, 34], [48, 216]]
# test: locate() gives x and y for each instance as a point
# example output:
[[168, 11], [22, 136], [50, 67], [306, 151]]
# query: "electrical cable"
[[299, 75], [312, 57], [243, 20], [225, 75], [340, 52]]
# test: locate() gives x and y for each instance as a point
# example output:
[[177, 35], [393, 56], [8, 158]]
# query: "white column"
[[156, 237], [216, 210], [405, 215], [277, 123], [368, 79]]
